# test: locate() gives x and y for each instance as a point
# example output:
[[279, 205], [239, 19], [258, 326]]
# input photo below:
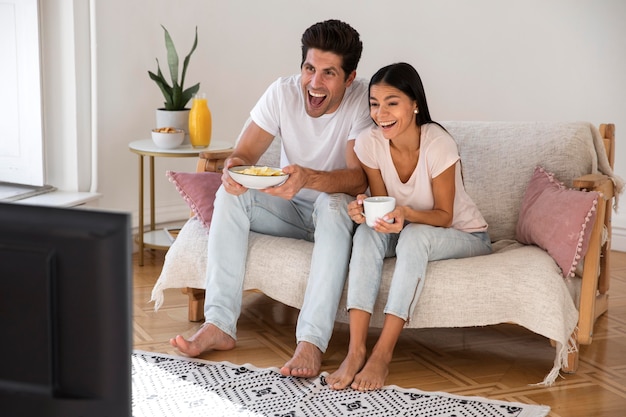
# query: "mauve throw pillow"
[[198, 190], [557, 219]]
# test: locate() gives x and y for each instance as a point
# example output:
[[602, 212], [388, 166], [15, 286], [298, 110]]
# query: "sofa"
[[547, 191]]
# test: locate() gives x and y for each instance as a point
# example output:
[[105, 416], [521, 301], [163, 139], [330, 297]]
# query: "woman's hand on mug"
[[382, 225], [355, 209]]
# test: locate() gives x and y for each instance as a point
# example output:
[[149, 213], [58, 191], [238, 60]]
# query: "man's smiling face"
[[323, 82]]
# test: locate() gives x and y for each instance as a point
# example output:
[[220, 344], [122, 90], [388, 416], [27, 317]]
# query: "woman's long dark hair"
[[406, 79]]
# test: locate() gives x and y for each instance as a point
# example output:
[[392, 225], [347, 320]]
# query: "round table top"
[[148, 148]]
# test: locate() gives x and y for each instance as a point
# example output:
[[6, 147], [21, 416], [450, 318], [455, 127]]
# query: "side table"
[[158, 239]]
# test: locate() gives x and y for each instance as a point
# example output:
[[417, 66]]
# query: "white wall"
[[479, 60]]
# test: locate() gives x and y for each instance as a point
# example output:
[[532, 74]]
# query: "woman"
[[407, 156]]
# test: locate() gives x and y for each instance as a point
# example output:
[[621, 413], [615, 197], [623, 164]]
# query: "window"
[[21, 139], [47, 120]]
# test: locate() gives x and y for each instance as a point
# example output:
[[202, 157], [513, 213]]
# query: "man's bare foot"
[[305, 362], [373, 374], [343, 377], [208, 337]]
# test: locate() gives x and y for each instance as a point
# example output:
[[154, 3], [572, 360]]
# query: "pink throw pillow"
[[557, 219], [198, 190]]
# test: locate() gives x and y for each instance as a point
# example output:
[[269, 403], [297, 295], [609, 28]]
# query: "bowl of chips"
[[168, 137], [257, 177]]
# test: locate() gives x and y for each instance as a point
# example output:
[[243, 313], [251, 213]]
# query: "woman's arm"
[[440, 215], [375, 181], [443, 194]]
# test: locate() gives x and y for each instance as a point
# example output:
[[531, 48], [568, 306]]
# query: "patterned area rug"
[[165, 385]]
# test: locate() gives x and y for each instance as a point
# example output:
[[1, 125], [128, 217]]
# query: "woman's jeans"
[[414, 247], [326, 222]]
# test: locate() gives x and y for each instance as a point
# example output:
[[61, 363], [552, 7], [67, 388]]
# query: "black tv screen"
[[65, 312]]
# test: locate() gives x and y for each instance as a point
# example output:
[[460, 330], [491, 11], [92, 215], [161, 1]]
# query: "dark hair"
[[337, 37], [406, 79]]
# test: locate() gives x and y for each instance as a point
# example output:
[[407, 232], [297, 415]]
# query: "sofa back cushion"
[[498, 160], [271, 157]]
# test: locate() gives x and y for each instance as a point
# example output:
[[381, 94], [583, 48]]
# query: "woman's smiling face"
[[392, 110], [323, 82]]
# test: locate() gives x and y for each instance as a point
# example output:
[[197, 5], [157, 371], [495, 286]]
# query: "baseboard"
[[164, 214], [172, 215]]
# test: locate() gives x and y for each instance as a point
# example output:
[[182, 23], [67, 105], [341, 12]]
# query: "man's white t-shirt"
[[438, 151], [317, 143]]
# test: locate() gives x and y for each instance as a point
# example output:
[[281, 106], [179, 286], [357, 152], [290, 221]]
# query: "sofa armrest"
[[594, 182], [212, 161], [593, 301], [596, 277]]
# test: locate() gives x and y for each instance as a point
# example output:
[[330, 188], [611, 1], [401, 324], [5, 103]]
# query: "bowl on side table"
[[168, 137]]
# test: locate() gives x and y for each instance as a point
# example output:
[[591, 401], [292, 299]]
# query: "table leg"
[[140, 227], [152, 209]]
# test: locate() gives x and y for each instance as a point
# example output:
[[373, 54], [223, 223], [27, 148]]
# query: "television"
[[65, 312]]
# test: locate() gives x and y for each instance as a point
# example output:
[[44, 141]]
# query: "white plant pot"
[[174, 118]]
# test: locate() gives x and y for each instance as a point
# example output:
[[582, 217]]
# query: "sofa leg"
[[196, 304]]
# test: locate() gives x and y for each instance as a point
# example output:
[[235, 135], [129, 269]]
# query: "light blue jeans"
[[325, 222], [414, 247]]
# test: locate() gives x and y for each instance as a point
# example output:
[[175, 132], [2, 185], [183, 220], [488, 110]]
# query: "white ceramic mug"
[[376, 207]]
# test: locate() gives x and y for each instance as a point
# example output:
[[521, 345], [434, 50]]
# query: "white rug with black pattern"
[[165, 385]]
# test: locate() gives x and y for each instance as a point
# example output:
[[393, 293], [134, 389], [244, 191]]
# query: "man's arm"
[[350, 180], [253, 142]]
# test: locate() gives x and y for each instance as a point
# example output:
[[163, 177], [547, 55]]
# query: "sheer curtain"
[[69, 89]]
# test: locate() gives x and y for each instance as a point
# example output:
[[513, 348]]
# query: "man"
[[318, 113]]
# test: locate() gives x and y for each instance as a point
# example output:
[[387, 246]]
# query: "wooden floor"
[[499, 362]]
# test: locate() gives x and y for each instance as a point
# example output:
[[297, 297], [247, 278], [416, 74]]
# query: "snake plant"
[[176, 97]]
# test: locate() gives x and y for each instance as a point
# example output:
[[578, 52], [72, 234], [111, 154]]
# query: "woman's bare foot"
[[373, 374], [208, 337], [305, 362], [343, 377]]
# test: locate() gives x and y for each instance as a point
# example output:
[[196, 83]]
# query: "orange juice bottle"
[[200, 122]]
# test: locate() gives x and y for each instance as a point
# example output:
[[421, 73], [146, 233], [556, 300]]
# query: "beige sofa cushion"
[[455, 290], [499, 158]]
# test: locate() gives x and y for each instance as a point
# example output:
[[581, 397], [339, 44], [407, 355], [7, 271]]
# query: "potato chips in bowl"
[[257, 177]]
